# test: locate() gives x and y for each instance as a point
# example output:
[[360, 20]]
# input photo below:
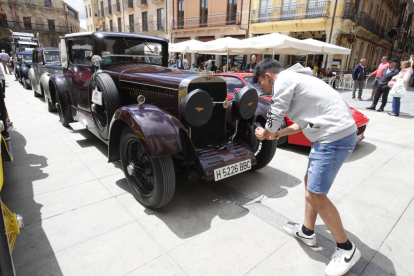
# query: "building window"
[[103, 26], [131, 23], [102, 9], [48, 3], [180, 14], [111, 28], [53, 42], [289, 9], [265, 11], [119, 25], [385, 21], [370, 8], [109, 7], [86, 9], [160, 19], [27, 21], [204, 13], [74, 14], [130, 3], [231, 12], [145, 22], [51, 25], [90, 12]]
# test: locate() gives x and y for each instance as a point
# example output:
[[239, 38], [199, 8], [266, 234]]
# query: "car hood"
[[150, 74]]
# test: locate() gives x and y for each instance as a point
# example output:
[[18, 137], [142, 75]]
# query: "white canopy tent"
[[327, 48], [221, 46], [188, 46]]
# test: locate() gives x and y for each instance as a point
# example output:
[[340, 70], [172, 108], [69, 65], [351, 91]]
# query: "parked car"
[[46, 62], [157, 120], [237, 81], [23, 64]]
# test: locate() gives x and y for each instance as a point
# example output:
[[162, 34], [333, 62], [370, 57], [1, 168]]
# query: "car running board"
[[76, 126]]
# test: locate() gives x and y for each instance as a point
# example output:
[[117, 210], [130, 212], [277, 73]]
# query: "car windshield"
[[26, 57], [126, 49], [52, 56], [249, 80]]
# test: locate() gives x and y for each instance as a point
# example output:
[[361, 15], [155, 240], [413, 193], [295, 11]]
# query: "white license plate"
[[97, 97], [232, 169]]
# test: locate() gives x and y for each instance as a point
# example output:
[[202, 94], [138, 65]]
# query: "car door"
[[80, 70], [37, 67]]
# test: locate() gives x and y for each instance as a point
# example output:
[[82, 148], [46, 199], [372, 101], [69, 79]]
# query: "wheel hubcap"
[[131, 170]]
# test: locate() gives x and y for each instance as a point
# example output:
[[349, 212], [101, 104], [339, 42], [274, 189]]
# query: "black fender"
[[61, 91], [25, 72], [158, 131]]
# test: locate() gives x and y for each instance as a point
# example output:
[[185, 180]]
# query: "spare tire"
[[102, 114], [196, 108], [245, 104]]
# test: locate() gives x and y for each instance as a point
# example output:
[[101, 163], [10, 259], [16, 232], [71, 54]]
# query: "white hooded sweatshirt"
[[312, 104]]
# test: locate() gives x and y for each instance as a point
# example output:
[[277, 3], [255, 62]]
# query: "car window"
[[232, 83], [81, 51], [38, 57], [249, 80], [52, 56]]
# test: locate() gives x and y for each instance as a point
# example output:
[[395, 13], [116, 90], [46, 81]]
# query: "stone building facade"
[[72, 18], [49, 18]]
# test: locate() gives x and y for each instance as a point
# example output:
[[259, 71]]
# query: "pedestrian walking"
[[4, 60], [358, 75], [405, 75], [332, 131], [383, 88], [378, 73], [3, 111]]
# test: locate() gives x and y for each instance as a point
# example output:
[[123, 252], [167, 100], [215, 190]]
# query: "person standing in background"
[[378, 73], [180, 64], [4, 59], [358, 75], [3, 111], [251, 65], [405, 75]]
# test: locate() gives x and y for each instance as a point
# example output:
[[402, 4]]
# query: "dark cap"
[[393, 60]]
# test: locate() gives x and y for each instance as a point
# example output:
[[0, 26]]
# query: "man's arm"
[[247, 68], [373, 73], [292, 129]]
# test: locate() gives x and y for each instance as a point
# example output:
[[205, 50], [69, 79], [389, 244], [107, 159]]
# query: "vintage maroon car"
[[237, 81], [158, 121]]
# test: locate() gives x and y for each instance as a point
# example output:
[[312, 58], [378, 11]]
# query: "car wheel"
[[50, 106], [284, 139], [15, 75], [24, 82], [264, 153], [36, 94], [102, 114], [152, 180], [65, 116]]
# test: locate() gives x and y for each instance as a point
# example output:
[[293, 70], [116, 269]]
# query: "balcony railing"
[[212, 20], [116, 7], [142, 2], [350, 12], [157, 1], [160, 26], [292, 12], [108, 10], [55, 4], [14, 25], [128, 4]]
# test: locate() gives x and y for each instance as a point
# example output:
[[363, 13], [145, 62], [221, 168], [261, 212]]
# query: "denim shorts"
[[376, 81], [325, 160]]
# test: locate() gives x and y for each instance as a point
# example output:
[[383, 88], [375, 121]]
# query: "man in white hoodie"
[[325, 119]]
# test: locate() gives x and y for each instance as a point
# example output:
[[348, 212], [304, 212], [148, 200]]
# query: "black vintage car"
[[22, 67], [158, 121], [46, 62]]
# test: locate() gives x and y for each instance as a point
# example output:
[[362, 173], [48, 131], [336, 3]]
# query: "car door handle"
[[80, 76]]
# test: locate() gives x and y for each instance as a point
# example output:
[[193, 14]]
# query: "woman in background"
[[405, 75]]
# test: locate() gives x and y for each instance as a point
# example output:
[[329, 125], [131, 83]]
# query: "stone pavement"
[[81, 219]]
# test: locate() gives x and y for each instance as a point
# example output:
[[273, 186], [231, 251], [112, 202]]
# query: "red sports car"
[[237, 81]]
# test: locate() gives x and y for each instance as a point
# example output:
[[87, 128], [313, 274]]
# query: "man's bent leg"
[[374, 89], [329, 215], [310, 212]]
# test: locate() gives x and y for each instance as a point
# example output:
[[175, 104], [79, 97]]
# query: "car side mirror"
[[236, 89], [97, 61]]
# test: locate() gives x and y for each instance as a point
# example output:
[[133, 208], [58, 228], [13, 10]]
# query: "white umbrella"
[[275, 43], [221, 46], [187, 46], [328, 48]]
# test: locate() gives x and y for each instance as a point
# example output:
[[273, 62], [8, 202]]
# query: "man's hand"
[[263, 134]]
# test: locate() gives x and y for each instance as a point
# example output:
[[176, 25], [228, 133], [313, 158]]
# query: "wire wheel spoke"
[[142, 175]]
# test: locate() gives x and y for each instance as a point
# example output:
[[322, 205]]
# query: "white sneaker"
[[342, 261], [295, 230]]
